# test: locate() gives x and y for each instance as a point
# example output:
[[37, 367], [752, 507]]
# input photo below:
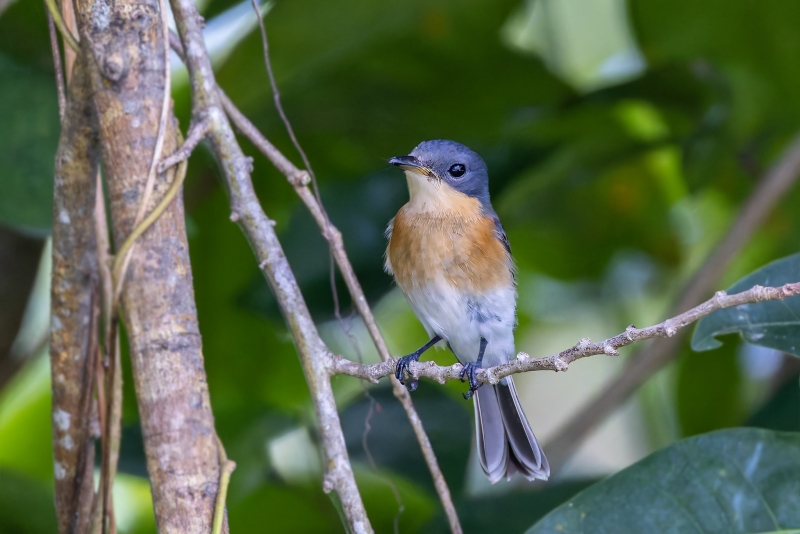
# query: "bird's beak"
[[410, 163]]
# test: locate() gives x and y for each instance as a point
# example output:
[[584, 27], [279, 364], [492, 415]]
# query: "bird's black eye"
[[457, 170]]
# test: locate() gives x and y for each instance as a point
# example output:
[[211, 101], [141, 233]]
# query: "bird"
[[451, 259]]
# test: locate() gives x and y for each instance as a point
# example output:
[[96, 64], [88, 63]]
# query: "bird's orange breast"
[[457, 245]]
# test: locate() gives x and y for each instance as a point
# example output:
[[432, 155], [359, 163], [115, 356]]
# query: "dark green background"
[[611, 196]]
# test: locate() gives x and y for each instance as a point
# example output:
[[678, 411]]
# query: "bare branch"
[[582, 349], [197, 131], [258, 229], [771, 188], [300, 180], [276, 97]]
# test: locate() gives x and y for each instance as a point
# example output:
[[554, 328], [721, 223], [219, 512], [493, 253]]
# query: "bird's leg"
[[470, 370], [403, 363]]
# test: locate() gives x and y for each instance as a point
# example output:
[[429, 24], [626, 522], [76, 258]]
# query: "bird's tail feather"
[[506, 443]]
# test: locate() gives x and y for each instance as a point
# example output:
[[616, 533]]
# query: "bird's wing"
[[500, 234]]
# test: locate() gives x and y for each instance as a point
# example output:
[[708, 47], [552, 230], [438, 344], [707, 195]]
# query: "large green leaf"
[[732, 481], [774, 324]]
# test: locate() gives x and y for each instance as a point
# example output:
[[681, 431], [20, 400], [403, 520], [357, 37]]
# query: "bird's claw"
[[470, 371], [403, 367]]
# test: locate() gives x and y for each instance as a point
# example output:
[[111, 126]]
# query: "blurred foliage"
[[29, 104], [739, 481], [702, 408], [621, 138], [27, 506]]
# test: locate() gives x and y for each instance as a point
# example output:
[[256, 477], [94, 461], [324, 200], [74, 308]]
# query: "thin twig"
[[300, 180], [98, 517], [57, 67], [260, 232], [276, 96], [770, 189], [329, 232], [102, 504], [226, 470], [582, 349], [95, 363], [70, 54], [111, 431], [70, 39], [197, 131], [169, 196]]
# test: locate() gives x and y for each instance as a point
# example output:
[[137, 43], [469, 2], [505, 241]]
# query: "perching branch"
[[582, 349]]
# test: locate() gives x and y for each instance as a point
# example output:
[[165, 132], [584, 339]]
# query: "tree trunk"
[[126, 50], [74, 308]]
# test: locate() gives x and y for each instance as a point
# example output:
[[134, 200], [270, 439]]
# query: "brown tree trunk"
[[74, 306], [126, 53]]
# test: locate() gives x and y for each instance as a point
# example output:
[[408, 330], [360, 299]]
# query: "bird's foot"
[[470, 371], [403, 368]]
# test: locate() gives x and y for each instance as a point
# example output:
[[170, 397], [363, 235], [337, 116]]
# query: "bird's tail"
[[506, 443]]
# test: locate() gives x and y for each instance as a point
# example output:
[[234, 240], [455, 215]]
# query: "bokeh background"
[[622, 138]]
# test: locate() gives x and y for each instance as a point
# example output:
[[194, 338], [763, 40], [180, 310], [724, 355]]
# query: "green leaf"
[[732, 481], [29, 109], [774, 324]]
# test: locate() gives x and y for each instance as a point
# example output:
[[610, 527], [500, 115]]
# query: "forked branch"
[[300, 180]]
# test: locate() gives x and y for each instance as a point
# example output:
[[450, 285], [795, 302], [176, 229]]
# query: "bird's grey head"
[[452, 163]]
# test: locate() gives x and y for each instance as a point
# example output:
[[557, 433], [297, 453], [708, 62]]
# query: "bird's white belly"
[[461, 319]]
